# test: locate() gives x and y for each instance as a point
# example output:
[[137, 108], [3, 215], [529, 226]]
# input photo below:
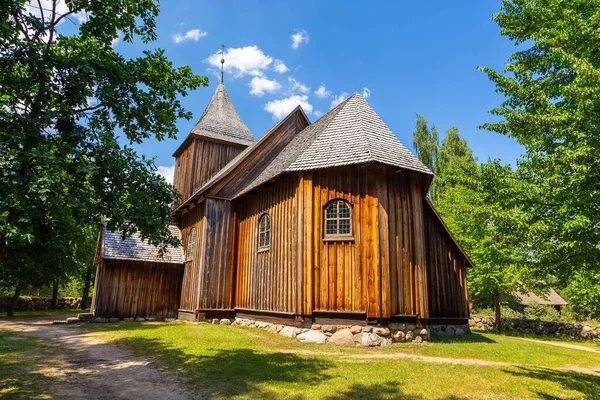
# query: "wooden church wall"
[[182, 177], [447, 272], [127, 289], [266, 280], [199, 162], [216, 291], [381, 272], [190, 290]]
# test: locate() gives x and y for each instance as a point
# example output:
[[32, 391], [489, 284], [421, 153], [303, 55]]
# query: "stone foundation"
[[349, 335], [449, 330], [542, 328]]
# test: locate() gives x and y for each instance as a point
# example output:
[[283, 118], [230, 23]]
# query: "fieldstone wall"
[[544, 328], [39, 303]]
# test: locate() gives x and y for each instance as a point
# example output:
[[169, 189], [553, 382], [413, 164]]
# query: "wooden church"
[[311, 223]]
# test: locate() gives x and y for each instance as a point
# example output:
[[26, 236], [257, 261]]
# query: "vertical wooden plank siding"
[[199, 162], [138, 289], [267, 279], [381, 271], [217, 267], [192, 277], [446, 274]]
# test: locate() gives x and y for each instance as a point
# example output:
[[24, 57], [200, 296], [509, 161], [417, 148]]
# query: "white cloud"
[[322, 92], [261, 85], [34, 8], [318, 113], [115, 41], [366, 92], [166, 172], [299, 37], [192, 34], [297, 86], [281, 107], [242, 61], [338, 99], [280, 67]]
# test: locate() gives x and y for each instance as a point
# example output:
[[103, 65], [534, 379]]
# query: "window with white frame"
[[264, 232], [338, 217]]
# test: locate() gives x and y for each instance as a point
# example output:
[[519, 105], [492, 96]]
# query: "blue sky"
[[413, 57]]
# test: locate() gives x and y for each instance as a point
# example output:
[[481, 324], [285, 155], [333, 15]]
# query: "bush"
[[505, 311], [537, 311]]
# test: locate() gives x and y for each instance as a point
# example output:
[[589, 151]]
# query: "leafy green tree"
[[67, 103], [552, 90], [425, 143]]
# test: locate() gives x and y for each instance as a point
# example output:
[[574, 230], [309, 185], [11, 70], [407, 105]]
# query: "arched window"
[[191, 245], [338, 219], [264, 232]]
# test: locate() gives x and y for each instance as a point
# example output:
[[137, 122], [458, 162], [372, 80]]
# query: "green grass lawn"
[[43, 313], [22, 361], [231, 361]]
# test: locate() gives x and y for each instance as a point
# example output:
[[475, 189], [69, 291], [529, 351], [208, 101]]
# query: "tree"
[[67, 103], [471, 199], [552, 90], [426, 145]]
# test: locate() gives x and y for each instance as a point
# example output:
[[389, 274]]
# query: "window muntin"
[[191, 246], [338, 219], [264, 232]]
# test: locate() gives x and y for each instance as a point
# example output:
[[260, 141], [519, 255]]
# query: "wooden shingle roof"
[[113, 246], [220, 122], [351, 133], [356, 135], [550, 298]]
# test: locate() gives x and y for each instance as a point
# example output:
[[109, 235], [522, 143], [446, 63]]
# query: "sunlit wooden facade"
[[317, 222]]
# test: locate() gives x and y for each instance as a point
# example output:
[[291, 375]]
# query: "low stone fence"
[[544, 328], [39, 303]]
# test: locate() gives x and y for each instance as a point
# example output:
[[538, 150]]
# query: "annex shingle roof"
[[221, 121], [351, 133], [113, 246], [550, 298]]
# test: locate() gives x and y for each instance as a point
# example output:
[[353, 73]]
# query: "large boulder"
[[288, 331], [371, 340], [312, 336], [342, 337]]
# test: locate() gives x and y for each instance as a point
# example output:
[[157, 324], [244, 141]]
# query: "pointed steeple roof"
[[220, 121]]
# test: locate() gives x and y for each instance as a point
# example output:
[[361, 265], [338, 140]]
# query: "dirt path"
[[559, 344], [93, 369]]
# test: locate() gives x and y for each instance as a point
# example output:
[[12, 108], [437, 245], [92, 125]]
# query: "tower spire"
[[222, 61]]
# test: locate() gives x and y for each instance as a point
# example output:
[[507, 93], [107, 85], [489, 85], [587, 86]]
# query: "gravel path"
[[90, 368], [560, 344]]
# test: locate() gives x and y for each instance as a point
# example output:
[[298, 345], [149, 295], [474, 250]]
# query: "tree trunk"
[[497, 307], [13, 302], [86, 287], [54, 296]]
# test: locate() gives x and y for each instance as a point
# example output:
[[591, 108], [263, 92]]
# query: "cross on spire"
[[222, 61]]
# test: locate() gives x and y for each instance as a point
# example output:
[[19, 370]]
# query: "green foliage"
[[469, 197], [552, 90], [70, 107], [425, 143], [537, 311]]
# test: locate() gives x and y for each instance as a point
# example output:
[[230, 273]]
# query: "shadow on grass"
[[587, 385], [380, 391], [19, 376], [474, 337], [247, 372], [231, 372]]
